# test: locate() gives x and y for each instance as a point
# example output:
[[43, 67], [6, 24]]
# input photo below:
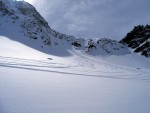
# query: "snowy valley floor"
[[33, 82]]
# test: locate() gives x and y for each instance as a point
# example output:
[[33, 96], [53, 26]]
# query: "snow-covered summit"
[[22, 19]]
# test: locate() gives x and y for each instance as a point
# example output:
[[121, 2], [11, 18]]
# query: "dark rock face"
[[139, 39], [76, 44], [4, 8]]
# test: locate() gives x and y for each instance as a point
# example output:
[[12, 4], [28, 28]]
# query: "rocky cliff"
[[139, 40]]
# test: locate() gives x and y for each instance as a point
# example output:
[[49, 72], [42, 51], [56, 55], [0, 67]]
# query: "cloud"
[[94, 18]]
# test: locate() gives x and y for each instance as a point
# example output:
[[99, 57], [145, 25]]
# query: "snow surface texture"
[[34, 82], [50, 72]]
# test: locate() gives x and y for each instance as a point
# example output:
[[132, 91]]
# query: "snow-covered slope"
[[44, 71], [32, 81]]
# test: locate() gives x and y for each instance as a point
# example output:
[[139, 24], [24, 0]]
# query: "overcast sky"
[[94, 18]]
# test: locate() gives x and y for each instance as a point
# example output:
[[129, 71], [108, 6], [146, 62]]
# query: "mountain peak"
[[33, 28]]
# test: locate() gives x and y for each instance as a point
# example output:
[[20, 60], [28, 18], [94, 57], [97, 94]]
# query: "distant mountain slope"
[[139, 39], [24, 24]]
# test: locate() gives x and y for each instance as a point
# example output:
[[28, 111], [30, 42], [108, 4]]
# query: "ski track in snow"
[[81, 66]]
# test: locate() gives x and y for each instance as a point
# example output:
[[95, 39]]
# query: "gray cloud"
[[94, 18]]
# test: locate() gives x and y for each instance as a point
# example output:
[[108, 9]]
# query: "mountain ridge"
[[30, 24]]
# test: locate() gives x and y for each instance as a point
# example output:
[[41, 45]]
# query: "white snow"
[[32, 83], [35, 78]]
